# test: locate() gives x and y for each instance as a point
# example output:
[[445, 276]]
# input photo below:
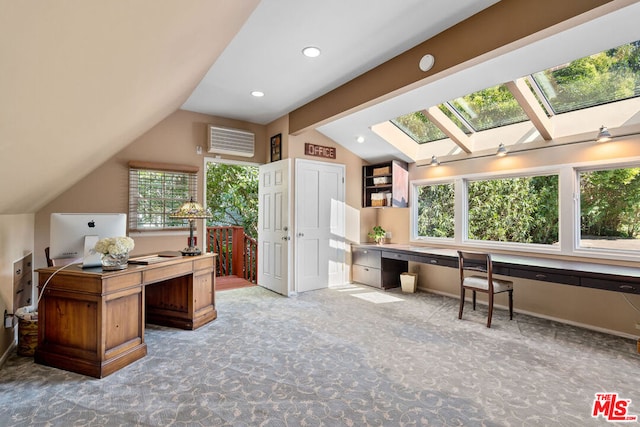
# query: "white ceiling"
[[358, 35], [354, 36]]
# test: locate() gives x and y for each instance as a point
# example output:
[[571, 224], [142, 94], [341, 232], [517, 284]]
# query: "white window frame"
[[415, 185], [619, 254], [528, 247], [568, 211]]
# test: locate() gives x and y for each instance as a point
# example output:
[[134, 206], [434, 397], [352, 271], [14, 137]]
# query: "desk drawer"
[[367, 275], [610, 285], [544, 276], [367, 257], [431, 260], [396, 255]]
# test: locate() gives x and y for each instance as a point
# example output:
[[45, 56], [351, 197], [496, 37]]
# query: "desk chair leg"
[[511, 305], [474, 300], [461, 303], [490, 310]]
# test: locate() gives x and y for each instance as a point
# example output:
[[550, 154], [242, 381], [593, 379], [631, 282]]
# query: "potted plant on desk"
[[378, 234]]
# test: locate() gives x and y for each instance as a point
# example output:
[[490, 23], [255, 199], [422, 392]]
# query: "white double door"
[[318, 238]]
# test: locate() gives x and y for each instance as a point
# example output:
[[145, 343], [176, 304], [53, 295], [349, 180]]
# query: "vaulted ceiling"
[[81, 80]]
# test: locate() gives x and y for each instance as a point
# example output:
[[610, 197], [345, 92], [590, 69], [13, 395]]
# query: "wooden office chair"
[[481, 262]]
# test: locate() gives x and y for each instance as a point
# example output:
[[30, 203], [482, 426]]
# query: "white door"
[[320, 218], [274, 237]]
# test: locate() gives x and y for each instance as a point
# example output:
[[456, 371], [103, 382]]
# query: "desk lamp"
[[191, 211]]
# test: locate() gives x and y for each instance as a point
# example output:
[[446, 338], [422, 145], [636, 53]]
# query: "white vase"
[[111, 262]]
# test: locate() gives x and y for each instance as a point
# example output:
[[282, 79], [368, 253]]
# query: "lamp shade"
[[191, 211]]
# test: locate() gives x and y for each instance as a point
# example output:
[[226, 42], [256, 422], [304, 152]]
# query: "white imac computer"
[[73, 235]]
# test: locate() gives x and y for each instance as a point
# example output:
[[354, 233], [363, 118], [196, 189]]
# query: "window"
[[157, 190], [436, 210], [418, 127], [517, 210], [608, 76], [489, 108], [610, 208]]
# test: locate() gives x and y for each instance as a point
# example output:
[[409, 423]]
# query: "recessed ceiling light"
[[257, 93], [360, 139], [311, 51]]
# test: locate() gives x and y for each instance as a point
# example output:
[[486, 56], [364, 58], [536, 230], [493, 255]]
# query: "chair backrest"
[[476, 262]]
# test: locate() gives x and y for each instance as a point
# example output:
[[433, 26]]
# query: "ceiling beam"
[[446, 125], [531, 107], [498, 27]]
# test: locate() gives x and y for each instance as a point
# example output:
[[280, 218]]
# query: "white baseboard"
[[6, 354], [541, 316]]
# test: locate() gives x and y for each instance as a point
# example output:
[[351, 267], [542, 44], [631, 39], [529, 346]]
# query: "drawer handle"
[[433, 261], [366, 269], [541, 276], [626, 287]]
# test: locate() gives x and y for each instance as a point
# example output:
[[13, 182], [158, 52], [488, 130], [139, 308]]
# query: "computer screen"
[[72, 235]]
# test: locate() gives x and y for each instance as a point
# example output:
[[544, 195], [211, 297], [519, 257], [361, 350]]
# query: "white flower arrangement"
[[114, 245]]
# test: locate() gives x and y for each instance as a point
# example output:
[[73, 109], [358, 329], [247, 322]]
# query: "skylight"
[[489, 108], [609, 76], [419, 127]]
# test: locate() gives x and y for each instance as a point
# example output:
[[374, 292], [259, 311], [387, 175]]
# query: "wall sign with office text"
[[319, 151]]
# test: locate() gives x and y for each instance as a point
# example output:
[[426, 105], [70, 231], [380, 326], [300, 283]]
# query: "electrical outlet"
[[8, 320], [638, 325], [388, 235]]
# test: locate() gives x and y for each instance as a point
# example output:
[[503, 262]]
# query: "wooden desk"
[[576, 273], [92, 322]]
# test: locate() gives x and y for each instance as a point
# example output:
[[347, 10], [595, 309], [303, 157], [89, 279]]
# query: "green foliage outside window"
[[610, 203], [436, 210], [519, 210], [490, 108], [419, 127], [232, 196], [607, 76]]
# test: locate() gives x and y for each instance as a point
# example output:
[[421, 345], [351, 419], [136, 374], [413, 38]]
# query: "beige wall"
[[174, 140], [605, 310], [357, 221], [16, 241]]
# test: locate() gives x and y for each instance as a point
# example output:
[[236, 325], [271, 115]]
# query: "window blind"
[[155, 191]]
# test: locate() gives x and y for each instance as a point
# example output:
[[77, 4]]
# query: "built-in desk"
[[92, 322], [576, 273]]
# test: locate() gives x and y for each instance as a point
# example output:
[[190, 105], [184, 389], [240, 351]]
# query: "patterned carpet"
[[327, 358]]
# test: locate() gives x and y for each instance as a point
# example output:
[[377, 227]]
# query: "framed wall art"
[[276, 147]]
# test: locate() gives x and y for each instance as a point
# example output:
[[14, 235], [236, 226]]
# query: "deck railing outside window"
[[237, 252]]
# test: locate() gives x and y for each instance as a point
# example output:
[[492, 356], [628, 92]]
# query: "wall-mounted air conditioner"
[[234, 142]]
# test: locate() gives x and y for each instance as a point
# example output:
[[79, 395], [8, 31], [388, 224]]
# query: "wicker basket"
[[382, 171], [27, 337], [378, 199]]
